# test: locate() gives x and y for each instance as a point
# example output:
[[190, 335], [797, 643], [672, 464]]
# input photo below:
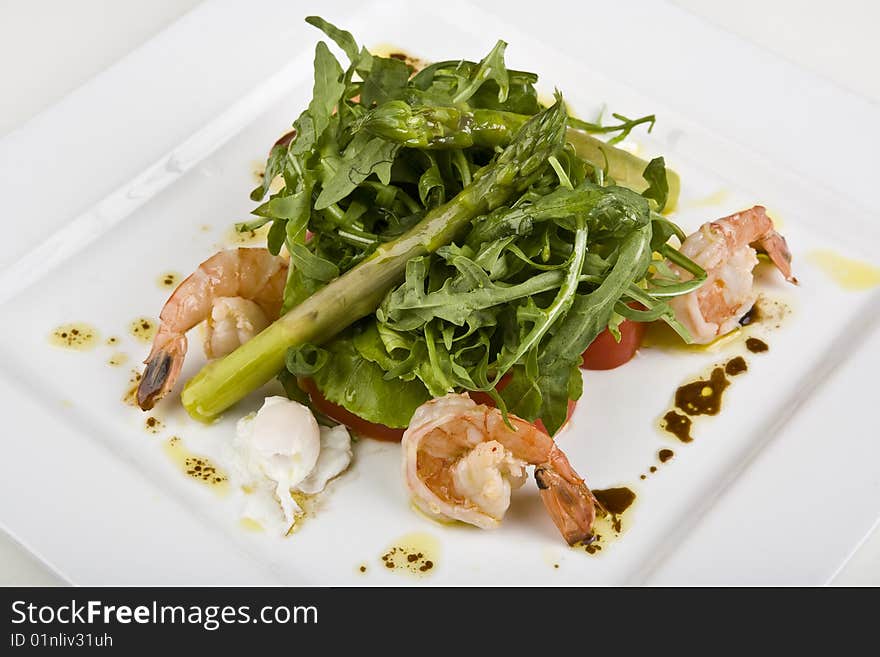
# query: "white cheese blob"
[[282, 448], [334, 458]]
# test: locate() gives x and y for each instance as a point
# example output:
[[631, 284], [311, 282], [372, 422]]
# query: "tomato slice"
[[341, 414], [606, 353]]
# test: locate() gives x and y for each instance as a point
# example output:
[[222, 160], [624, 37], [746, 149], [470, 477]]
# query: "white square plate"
[[145, 169]]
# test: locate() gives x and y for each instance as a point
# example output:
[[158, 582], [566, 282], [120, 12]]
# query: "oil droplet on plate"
[[414, 554], [153, 425], [717, 197], [251, 525], [143, 329], [249, 237], [659, 335], [117, 359], [197, 467], [112, 341], [848, 273], [552, 555], [130, 396], [308, 505], [168, 280], [76, 336]]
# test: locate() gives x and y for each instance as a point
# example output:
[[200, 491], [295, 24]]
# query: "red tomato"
[[341, 414], [605, 353]]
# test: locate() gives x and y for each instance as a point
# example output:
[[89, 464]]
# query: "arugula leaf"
[[306, 135], [658, 185], [386, 81], [311, 265], [588, 316], [623, 129], [491, 68], [343, 39], [327, 90], [274, 167], [275, 238], [375, 156], [459, 299], [432, 188]]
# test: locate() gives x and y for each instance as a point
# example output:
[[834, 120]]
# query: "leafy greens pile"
[[446, 230]]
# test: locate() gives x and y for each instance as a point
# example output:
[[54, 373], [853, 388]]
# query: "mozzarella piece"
[[334, 458], [281, 448]]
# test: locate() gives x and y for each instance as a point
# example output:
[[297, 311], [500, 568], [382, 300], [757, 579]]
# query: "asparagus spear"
[[358, 292], [433, 127]]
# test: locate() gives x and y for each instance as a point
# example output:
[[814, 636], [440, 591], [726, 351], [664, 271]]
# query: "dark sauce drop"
[[735, 366], [615, 500], [756, 346], [678, 425], [665, 454], [703, 397]]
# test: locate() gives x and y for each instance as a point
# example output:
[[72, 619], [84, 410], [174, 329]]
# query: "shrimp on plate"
[[461, 462], [237, 292], [725, 249]]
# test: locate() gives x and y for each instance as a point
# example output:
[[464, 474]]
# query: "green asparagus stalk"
[[440, 128], [358, 292]]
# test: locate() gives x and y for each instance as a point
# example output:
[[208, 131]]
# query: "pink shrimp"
[[724, 248], [461, 462], [238, 291]]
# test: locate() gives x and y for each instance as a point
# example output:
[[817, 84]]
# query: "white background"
[[50, 47]]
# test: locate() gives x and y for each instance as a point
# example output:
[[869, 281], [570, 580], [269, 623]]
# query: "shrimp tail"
[[775, 246], [568, 501], [160, 375]]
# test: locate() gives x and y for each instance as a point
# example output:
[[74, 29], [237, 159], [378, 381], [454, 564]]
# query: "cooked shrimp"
[[239, 291], [461, 462], [724, 248]]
